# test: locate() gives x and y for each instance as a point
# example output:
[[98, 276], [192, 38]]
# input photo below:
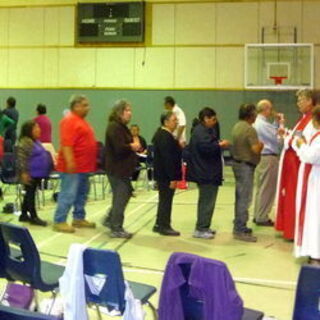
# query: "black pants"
[[165, 205], [29, 199], [121, 194], [206, 204]]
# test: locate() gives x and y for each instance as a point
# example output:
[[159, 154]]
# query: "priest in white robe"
[[307, 228]]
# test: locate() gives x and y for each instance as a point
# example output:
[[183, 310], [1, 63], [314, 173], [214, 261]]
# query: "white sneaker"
[[203, 234]]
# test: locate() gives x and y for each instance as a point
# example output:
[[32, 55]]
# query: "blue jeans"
[[74, 191]]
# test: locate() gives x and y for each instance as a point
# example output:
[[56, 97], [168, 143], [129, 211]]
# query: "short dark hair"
[[247, 110], [316, 97], [134, 126], [206, 112], [26, 129], [165, 116], [169, 100], [11, 102], [41, 108]]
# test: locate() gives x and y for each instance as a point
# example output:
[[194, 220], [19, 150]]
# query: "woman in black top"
[[167, 171]]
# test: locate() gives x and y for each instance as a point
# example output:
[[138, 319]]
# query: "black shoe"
[[169, 232], [24, 218], [106, 222], [247, 230], [156, 228], [267, 223], [38, 222], [122, 234], [244, 236]]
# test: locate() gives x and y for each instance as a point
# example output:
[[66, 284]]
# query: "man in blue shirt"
[[268, 125]]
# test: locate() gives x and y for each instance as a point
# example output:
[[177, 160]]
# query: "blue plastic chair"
[[307, 303], [27, 266], [2, 253], [14, 252], [107, 264], [9, 313]]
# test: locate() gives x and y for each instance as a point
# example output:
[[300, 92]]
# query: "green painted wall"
[[148, 105]]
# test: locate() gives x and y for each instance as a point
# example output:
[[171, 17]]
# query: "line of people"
[[257, 140]]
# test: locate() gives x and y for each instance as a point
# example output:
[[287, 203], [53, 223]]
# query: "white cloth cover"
[[72, 287], [134, 310]]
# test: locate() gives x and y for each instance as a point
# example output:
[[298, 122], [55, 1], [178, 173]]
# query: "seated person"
[[135, 132]]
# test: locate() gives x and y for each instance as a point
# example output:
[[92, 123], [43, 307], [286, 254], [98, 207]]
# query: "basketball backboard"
[[279, 66]]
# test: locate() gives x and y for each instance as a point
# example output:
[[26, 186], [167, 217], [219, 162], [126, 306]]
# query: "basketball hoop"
[[278, 80]]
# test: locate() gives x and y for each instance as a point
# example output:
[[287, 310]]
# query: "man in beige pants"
[[268, 125]]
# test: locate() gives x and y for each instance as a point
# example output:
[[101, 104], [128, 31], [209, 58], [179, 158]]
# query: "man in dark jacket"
[[205, 168], [167, 171], [121, 161], [11, 133]]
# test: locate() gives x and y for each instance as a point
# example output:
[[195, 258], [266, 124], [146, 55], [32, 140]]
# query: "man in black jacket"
[[11, 133], [205, 168], [121, 161], [167, 171]]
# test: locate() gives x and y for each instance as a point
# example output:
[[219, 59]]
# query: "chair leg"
[[54, 296], [104, 185], [93, 183], [153, 309], [42, 186], [98, 312], [36, 300]]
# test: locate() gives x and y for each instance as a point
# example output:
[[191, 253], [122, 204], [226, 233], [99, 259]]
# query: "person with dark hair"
[[135, 132], [34, 164], [76, 161], [121, 161], [204, 163], [289, 166], [11, 133], [307, 230], [180, 131], [167, 171], [44, 123], [246, 149]]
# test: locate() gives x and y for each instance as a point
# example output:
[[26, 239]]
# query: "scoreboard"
[[110, 22]]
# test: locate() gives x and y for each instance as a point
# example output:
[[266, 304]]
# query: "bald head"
[[264, 107]]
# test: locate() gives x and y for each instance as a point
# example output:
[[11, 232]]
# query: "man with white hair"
[[269, 126]]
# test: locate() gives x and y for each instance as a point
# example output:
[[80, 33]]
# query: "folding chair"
[[8, 174], [307, 303], [112, 295], [27, 266], [147, 167], [9, 313]]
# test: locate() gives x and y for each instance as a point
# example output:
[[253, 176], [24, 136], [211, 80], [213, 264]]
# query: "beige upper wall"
[[192, 45], [11, 3]]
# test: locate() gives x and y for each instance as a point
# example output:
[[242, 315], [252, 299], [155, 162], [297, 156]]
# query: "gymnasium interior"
[[202, 53]]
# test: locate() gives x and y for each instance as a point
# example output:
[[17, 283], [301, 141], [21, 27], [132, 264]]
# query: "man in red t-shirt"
[[76, 160]]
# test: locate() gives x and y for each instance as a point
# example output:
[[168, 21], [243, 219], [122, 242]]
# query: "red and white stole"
[[301, 124]]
